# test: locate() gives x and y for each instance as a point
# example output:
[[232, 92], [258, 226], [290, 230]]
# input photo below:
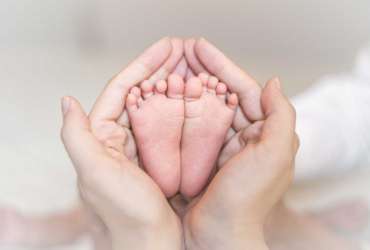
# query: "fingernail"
[[65, 104], [202, 39], [277, 83]]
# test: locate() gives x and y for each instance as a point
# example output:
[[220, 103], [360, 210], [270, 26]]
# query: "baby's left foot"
[[209, 112]]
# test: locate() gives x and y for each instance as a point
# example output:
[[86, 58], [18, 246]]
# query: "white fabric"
[[333, 122]]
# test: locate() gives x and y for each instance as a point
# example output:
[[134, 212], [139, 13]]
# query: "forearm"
[[250, 240], [147, 242], [55, 229]]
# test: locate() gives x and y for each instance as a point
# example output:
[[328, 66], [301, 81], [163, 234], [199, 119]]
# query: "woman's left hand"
[[120, 194]]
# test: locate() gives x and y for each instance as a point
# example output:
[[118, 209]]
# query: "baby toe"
[[232, 101], [131, 102], [212, 84], [160, 87], [175, 87], [193, 88], [135, 91], [203, 78], [221, 91], [146, 89]]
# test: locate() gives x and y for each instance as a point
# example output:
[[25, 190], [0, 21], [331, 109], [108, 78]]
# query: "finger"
[[238, 141], [123, 120], [111, 102], [173, 60], [252, 133], [130, 150], [279, 128], [230, 133], [76, 134], [233, 146], [191, 57], [240, 121], [237, 80]]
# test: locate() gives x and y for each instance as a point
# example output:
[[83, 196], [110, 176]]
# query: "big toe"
[[193, 88], [175, 86]]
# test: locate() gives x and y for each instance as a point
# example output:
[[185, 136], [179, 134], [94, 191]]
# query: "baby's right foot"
[[157, 118], [209, 112]]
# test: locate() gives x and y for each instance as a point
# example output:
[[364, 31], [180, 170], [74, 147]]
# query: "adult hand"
[[232, 211], [117, 191], [202, 56]]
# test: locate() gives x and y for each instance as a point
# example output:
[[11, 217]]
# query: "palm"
[[117, 137], [125, 182], [112, 183]]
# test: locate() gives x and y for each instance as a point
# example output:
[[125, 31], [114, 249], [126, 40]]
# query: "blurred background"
[[53, 48]]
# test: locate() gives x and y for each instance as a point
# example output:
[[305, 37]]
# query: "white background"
[[52, 48]]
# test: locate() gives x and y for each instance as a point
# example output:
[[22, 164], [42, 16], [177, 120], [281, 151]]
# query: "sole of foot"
[[157, 116], [209, 112]]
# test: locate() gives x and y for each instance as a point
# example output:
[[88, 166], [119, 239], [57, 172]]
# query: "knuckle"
[[297, 142], [290, 177], [292, 110]]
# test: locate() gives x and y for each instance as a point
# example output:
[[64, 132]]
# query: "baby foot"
[[209, 112], [157, 118]]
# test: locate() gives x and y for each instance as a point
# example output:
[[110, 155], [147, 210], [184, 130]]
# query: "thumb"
[[80, 143], [73, 114], [279, 127]]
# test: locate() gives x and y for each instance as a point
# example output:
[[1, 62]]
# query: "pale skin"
[[280, 128], [106, 132], [180, 128], [205, 214], [100, 183], [202, 56]]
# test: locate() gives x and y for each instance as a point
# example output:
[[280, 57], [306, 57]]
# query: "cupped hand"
[[102, 149], [232, 211], [202, 56], [124, 198], [254, 175]]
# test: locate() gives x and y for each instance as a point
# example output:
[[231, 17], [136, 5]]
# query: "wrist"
[[254, 240], [246, 241], [204, 232], [166, 235]]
